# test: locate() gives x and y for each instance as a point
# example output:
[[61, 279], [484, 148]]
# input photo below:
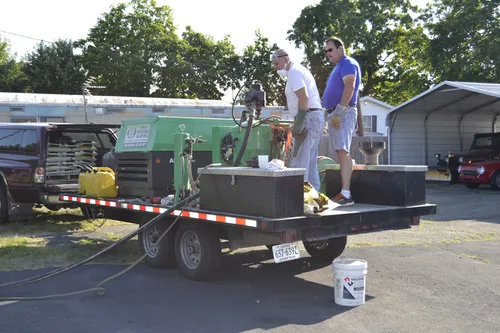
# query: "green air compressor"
[[158, 156]]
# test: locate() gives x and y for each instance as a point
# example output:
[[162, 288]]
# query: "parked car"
[[475, 174], [38, 161], [484, 147]]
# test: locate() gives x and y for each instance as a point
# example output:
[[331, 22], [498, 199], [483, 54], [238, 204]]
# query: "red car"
[[475, 174]]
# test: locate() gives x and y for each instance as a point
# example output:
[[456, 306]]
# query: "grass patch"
[[19, 253], [62, 221], [54, 239], [474, 257], [361, 244]]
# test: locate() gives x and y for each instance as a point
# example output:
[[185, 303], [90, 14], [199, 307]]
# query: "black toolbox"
[[253, 191], [392, 185]]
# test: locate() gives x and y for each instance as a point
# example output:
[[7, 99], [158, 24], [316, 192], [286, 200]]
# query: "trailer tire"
[[163, 255], [197, 251], [326, 250]]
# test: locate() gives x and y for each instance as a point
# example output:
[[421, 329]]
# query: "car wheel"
[[495, 180]]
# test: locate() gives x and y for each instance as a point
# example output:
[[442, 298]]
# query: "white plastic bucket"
[[349, 276]]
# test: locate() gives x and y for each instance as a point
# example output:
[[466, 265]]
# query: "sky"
[[50, 20]]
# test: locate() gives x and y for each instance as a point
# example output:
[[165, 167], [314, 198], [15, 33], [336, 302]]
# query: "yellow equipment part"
[[314, 201], [99, 183]]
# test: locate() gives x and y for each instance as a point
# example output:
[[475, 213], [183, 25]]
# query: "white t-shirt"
[[299, 77]]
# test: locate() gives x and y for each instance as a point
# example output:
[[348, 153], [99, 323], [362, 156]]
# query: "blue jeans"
[[307, 156]]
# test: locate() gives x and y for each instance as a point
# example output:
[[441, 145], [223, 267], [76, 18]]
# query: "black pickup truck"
[[38, 161], [484, 147]]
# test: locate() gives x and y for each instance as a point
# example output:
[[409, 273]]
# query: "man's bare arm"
[[349, 83], [303, 98]]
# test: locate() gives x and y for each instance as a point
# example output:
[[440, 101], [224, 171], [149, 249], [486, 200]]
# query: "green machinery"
[[159, 156]]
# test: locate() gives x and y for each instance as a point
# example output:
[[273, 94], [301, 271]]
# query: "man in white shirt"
[[304, 105]]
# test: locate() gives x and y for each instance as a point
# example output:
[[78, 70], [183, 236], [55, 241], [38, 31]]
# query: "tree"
[[54, 68], [465, 39], [130, 47], [12, 78], [380, 34], [204, 67], [256, 62]]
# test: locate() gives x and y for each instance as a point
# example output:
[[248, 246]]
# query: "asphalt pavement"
[[441, 277], [409, 289]]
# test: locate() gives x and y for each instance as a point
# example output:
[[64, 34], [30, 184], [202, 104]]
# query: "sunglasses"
[[329, 50]]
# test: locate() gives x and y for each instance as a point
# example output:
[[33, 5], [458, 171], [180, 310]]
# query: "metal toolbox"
[[253, 191], [393, 185]]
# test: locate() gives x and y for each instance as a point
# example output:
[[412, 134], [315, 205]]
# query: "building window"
[[52, 119], [24, 119], [159, 109], [113, 110], [370, 123], [16, 109]]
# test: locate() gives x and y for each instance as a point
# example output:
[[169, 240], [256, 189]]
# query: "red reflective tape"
[[159, 210]]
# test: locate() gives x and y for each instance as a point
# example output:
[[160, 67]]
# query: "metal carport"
[[441, 119]]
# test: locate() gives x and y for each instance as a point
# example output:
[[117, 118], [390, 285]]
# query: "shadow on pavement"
[[251, 292]]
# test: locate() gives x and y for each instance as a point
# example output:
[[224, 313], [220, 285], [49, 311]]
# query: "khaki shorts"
[[341, 138]]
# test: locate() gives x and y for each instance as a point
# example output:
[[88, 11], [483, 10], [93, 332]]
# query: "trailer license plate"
[[286, 252]]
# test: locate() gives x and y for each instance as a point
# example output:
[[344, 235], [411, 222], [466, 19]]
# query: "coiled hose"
[[98, 288]]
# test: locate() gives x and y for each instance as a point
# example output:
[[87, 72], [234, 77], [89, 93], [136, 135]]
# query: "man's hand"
[[299, 125], [339, 110]]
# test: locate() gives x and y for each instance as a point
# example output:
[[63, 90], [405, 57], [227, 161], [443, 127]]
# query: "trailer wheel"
[[162, 255], [326, 250], [197, 250]]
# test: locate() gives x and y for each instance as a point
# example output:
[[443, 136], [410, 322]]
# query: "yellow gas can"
[[100, 183]]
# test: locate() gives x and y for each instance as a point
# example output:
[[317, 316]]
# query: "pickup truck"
[[484, 147], [38, 161]]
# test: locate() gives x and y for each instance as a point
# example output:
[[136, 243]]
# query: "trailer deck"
[[359, 218]]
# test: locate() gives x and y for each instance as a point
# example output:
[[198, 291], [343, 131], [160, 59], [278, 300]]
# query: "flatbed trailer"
[[194, 244]]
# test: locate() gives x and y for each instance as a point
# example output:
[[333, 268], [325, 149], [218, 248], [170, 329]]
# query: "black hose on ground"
[[61, 270]]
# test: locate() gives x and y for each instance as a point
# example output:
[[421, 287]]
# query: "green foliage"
[[128, 45], [381, 35], [465, 39], [54, 69], [203, 67], [12, 78], [256, 60], [134, 50]]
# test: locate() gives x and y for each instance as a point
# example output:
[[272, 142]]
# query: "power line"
[[24, 36]]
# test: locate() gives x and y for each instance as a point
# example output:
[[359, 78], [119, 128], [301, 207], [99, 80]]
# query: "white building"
[[374, 116]]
